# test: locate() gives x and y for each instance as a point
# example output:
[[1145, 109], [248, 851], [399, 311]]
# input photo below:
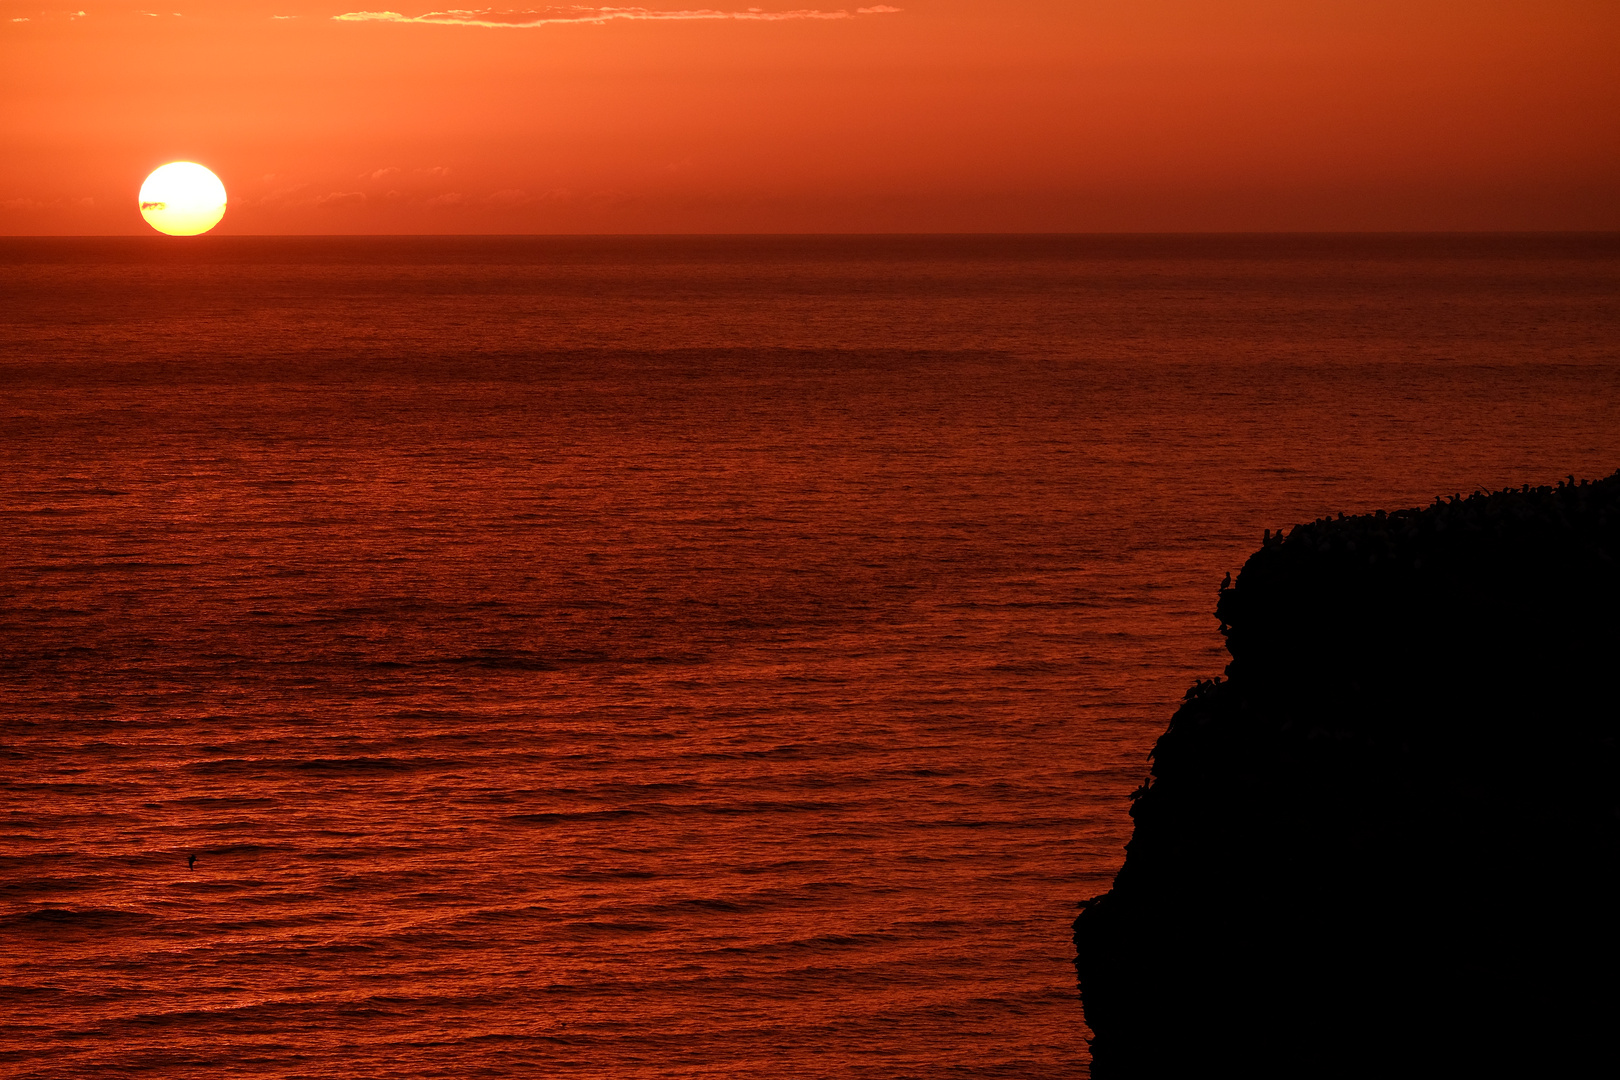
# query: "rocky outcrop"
[[1386, 842]]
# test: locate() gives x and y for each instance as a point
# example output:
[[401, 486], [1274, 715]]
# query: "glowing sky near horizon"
[[923, 115]]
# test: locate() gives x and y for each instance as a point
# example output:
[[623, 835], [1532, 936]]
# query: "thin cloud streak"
[[522, 20]]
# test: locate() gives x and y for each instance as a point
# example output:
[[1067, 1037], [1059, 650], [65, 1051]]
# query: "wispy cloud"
[[85, 203], [340, 199], [506, 199], [553, 16]]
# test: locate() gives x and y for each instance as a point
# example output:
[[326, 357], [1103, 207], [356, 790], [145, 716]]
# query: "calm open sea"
[[667, 657]]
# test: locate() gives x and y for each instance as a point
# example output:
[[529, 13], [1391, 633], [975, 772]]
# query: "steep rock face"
[[1387, 842]]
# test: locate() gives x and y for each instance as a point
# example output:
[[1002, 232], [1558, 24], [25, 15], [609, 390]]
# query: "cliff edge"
[[1387, 841]]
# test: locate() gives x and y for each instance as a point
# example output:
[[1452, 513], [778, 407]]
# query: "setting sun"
[[182, 198]]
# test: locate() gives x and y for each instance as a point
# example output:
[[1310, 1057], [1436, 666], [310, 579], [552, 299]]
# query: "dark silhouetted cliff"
[[1386, 842]]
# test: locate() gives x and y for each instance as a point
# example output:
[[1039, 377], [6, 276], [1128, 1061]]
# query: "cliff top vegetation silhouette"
[[1386, 842]]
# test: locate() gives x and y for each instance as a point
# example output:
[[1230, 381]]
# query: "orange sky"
[[943, 115]]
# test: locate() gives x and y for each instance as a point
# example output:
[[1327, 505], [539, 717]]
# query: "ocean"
[[667, 656]]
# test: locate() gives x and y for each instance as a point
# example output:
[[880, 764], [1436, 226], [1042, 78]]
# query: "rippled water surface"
[[666, 657]]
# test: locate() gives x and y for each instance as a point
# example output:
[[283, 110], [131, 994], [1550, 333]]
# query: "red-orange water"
[[631, 658]]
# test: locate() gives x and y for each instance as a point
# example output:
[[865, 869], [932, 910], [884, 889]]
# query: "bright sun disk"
[[182, 199]]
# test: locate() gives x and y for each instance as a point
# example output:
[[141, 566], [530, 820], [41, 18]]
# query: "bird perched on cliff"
[[1226, 582]]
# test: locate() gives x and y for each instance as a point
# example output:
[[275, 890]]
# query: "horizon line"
[[209, 236]]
